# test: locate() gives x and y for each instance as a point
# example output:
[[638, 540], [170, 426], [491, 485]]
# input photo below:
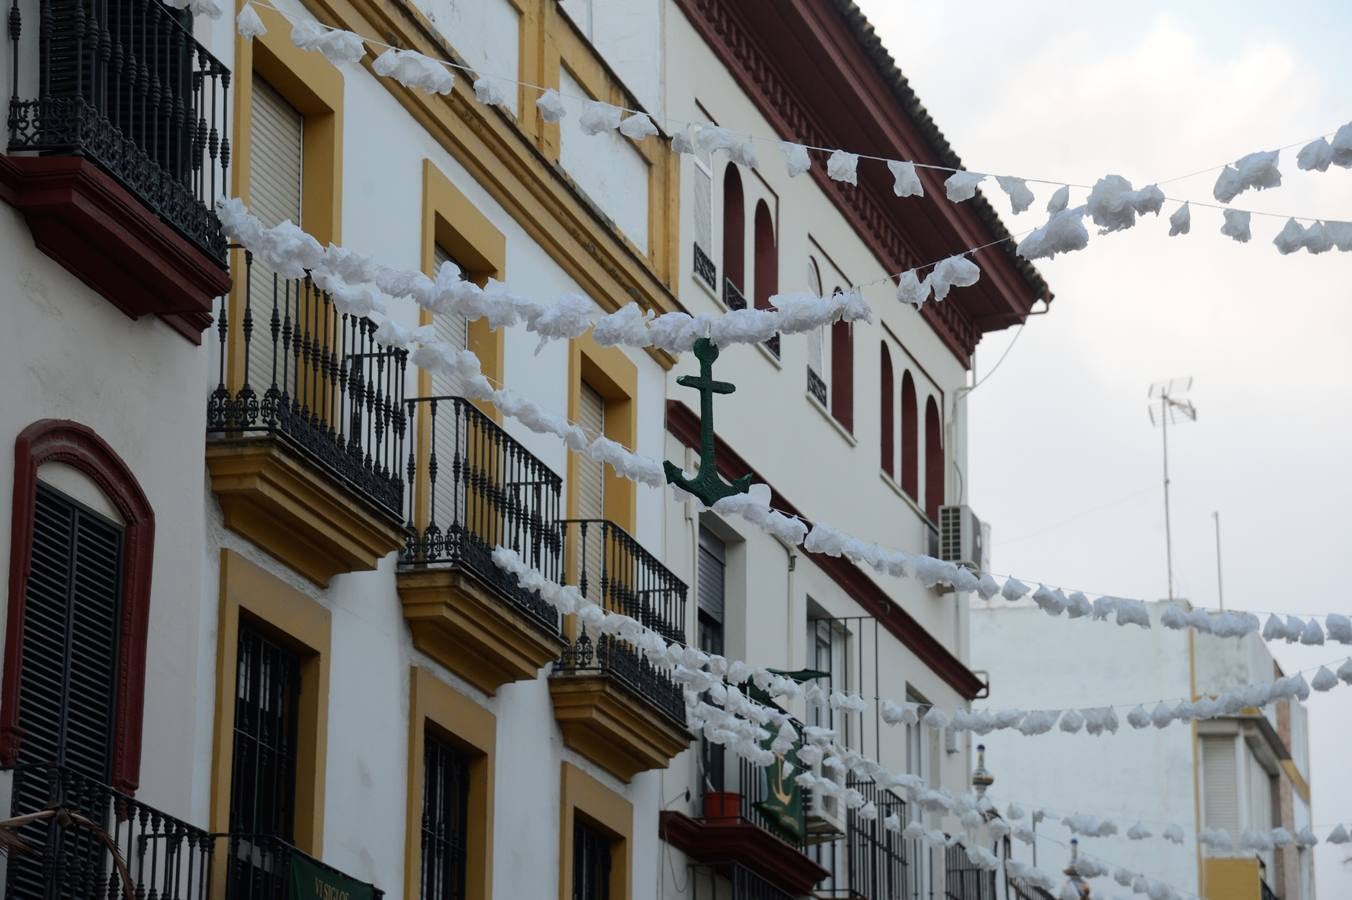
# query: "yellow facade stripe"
[[434, 703]]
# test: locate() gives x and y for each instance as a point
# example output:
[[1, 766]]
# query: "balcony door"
[[264, 761], [68, 670], [276, 132]]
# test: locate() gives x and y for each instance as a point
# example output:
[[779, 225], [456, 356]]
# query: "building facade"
[[253, 635], [1248, 772]]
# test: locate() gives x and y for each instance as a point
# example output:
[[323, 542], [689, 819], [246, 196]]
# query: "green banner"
[[783, 798], [312, 881]]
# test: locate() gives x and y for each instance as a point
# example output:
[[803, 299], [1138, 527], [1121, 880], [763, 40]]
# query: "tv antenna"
[[1170, 410]]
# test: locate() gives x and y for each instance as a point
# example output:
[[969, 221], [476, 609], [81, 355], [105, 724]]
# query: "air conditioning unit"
[[823, 815], [963, 539]]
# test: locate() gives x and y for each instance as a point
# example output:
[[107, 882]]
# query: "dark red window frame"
[[910, 439], [886, 421], [76, 445], [934, 461]]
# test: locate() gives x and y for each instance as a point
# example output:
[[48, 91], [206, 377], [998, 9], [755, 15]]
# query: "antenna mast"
[[1170, 410]]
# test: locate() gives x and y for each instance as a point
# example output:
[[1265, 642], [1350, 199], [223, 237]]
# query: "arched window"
[[910, 439], [734, 239], [90, 589], [842, 374], [887, 403], [767, 264], [934, 461]]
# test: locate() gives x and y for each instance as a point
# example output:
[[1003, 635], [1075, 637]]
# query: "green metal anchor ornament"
[[706, 485]]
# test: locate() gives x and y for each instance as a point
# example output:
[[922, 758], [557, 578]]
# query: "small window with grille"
[[445, 819], [591, 861], [267, 716]]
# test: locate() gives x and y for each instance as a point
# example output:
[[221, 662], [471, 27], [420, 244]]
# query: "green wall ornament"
[[706, 485]]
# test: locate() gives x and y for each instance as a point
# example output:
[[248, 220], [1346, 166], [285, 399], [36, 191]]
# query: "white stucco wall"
[[1145, 775]]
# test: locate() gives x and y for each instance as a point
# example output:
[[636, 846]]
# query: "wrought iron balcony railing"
[[872, 861], [816, 387], [85, 839], [732, 881], [482, 489], [1022, 889], [963, 880], [734, 299], [294, 369], [260, 867], [611, 568], [123, 83]]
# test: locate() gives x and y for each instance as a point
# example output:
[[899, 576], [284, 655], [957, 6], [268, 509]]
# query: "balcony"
[[731, 881], [965, 881], [306, 429], [118, 148], [872, 861], [749, 816], [84, 839], [472, 487], [613, 706]]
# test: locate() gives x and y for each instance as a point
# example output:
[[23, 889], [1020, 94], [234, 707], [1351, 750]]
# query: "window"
[[710, 584], [81, 551], [767, 265], [1220, 783], [934, 461], [734, 239], [887, 459], [910, 438], [445, 819], [452, 328], [816, 339], [842, 374], [267, 715], [591, 861]]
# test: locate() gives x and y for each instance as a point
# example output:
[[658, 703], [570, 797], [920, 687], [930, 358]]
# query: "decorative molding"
[[76, 445], [605, 722], [470, 630], [715, 841], [303, 517], [683, 424], [751, 39], [105, 236]]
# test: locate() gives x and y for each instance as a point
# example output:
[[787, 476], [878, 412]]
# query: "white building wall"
[[1145, 775]]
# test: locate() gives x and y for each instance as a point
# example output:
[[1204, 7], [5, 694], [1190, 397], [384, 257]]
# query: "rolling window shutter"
[[711, 575], [591, 497], [1220, 784], [275, 151], [71, 612], [453, 328]]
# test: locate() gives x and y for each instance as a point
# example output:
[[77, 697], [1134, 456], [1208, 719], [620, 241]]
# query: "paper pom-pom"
[[961, 185], [1315, 156], [1236, 225], [842, 166], [1338, 627], [598, 117], [1338, 835], [1181, 221], [490, 92], [637, 127], [250, 26], [1138, 718], [1060, 199], [1064, 232], [1257, 171], [1020, 197], [956, 271], [905, 181], [1138, 832], [796, 158], [1312, 635], [1013, 589], [911, 290]]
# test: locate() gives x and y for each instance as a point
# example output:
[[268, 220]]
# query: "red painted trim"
[[841, 101], [58, 440], [104, 235], [683, 424], [721, 841]]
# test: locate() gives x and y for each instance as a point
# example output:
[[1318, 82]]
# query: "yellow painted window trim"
[[315, 88], [614, 376], [474, 729], [580, 793], [248, 590]]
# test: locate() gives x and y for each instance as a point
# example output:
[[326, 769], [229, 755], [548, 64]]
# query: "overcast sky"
[[1065, 463]]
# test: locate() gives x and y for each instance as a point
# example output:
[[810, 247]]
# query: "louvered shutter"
[[712, 561], [1220, 785], [275, 152], [591, 497], [453, 328]]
